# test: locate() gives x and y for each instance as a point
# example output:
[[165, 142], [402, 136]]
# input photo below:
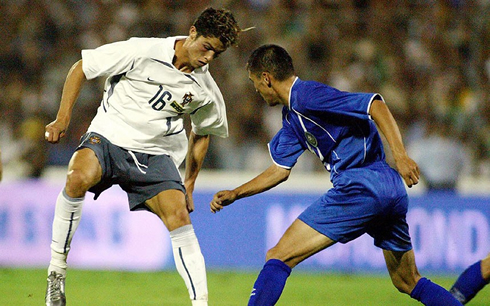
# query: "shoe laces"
[[54, 286]]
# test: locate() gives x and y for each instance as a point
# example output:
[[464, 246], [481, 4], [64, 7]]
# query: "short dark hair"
[[218, 23], [273, 59]]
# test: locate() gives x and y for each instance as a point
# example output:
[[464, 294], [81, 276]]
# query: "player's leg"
[[406, 278], [485, 268], [84, 171], [299, 242], [170, 206], [472, 280]]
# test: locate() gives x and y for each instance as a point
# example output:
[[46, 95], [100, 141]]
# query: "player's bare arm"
[[71, 90], [407, 168], [271, 177], [198, 147]]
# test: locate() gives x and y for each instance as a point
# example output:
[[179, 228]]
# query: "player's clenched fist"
[[221, 199], [409, 170], [54, 131]]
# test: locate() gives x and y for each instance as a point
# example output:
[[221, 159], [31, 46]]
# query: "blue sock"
[[431, 294], [270, 283], [468, 283]]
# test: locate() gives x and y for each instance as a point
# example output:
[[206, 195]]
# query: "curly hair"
[[218, 23]]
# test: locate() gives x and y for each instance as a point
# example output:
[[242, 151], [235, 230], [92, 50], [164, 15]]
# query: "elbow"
[[283, 174], [286, 176], [275, 175]]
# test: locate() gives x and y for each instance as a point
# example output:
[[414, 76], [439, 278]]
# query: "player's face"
[[261, 86], [203, 50]]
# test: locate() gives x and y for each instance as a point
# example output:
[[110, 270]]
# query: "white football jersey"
[[145, 97]]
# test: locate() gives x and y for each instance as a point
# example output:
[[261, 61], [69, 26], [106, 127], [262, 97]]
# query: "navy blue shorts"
[[141, 175], [370, 200]]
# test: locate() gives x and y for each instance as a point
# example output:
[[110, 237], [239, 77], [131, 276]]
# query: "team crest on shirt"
[[94, 140], [311, 139], [186, 99]]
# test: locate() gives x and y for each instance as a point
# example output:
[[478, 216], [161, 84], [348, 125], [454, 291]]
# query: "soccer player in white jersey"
[[137, 138]]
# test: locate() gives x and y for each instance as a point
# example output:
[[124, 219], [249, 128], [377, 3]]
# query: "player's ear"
[[193, 32], [266, 77]]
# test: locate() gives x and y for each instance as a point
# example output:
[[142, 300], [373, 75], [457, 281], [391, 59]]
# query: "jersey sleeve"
[[111, 59], [211, 118], [285, 149]]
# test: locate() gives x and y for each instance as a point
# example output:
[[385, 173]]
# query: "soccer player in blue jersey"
[[472, 280], [137, 138], [368, 196]]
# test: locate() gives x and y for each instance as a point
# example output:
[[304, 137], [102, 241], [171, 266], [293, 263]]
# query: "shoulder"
[[133, 45], [141, 42], [151, 40], [144, 43], [314, 89], [148, 43], [204, 78], [153, 47], [304, 93]]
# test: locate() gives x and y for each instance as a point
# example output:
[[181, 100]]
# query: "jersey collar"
[[290, 91]]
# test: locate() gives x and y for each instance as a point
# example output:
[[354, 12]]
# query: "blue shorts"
[[369, 200], [141, 175]]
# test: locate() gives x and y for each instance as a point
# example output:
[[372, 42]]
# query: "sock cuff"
[[477, 267], [70, 199], [419, 288], [183, 236], [182, 230], [280, 264], [475, 276]]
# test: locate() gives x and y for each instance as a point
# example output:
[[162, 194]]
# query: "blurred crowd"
[[429, 59]]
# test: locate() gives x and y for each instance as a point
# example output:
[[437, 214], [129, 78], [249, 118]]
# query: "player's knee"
[[485, 268], [273, 253], [403, 284], [276, 253], [77, 183], [180, 218], [176, 219]]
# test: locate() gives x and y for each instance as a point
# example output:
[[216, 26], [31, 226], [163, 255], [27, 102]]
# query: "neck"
[[180, 57], [284, 88]]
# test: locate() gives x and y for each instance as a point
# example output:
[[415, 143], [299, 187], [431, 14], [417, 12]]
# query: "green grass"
[[27, 286]]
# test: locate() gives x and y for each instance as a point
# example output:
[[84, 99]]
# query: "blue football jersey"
[[333, 124]]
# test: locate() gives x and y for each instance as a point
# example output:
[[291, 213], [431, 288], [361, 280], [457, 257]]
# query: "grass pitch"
[[27, 286]]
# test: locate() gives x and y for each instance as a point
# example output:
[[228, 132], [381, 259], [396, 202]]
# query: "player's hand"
[[189, 200], [221, 199], [409, 170], [55, 131]]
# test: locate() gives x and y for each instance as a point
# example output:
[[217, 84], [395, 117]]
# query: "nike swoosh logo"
[[151, 80]]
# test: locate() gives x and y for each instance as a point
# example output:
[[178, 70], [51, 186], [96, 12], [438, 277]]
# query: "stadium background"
[[429, 59]]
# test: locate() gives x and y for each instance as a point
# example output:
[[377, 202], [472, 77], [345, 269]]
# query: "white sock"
[[67, 215], [190, 263]]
